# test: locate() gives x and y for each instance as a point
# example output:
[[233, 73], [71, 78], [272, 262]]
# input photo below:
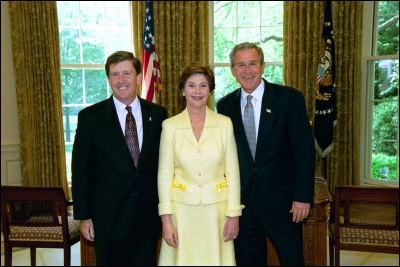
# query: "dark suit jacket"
[[106, 185], [284, 165]]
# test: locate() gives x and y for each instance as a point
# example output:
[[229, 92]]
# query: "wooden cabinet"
[[314, 233], [315, 230]]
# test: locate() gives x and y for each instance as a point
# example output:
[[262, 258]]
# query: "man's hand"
[[300, 211], [87, 229]]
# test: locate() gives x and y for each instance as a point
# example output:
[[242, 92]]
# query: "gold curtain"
[[302, 38], [181, 32], [36, 55]]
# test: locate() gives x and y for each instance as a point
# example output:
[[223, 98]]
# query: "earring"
[[184, 94]]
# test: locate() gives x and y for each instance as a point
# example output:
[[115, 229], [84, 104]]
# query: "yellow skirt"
[[200, 235]]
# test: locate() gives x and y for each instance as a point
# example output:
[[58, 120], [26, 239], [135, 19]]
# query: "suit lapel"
[[236, 117], [112, 123], [267, 115], [210, 122], [147, 130], [185, 125]]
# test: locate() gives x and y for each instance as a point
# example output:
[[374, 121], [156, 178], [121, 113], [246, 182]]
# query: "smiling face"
[[123, 80], [196, 91], [248, 69]]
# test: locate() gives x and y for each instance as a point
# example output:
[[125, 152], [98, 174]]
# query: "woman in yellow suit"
[[198, 179]]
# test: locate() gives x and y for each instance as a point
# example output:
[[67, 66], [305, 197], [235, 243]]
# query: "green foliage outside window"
[[247, 21]]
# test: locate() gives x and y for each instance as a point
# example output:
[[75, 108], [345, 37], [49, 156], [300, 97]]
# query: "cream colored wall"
[[10, 149]]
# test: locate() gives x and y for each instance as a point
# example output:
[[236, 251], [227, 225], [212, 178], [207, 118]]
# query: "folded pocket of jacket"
[[176, 185]]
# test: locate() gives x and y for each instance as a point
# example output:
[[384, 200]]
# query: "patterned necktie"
[[131, 135], [249, 125]]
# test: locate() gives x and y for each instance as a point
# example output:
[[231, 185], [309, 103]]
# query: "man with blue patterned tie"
[[277, 179]]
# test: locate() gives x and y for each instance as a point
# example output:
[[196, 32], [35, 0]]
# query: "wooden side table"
[[315, 230], [88, 252]]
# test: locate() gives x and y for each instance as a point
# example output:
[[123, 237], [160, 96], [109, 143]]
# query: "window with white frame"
[[89, 32], [380, 94], [234, 22]]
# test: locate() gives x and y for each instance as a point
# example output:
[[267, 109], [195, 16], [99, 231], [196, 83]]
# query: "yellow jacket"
[[192, 171]]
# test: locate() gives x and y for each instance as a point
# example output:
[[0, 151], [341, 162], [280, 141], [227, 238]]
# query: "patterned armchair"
[[364, 218], [37, 217]]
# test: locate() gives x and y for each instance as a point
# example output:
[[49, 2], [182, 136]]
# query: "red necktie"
[[131, 135]]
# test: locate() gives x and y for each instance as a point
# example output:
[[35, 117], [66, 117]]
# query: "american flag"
[[151, 71]]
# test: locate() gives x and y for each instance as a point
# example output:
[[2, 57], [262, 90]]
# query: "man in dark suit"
[[115, 200], [277, 185]]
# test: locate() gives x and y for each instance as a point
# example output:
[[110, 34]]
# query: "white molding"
[[10, 148], [10, 164]]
